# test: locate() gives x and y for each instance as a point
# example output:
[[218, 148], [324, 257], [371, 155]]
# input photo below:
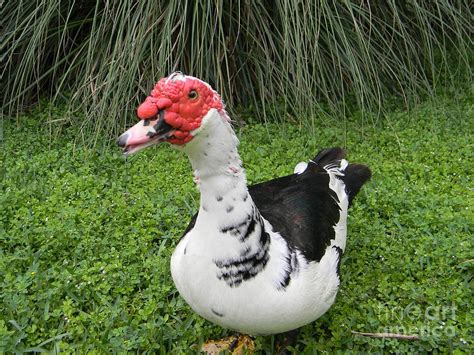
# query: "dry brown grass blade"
[[388, 335]]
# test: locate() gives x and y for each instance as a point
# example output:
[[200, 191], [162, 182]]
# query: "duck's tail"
[[353, 175]]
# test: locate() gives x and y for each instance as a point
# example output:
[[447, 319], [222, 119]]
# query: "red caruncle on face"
[[185, 103]]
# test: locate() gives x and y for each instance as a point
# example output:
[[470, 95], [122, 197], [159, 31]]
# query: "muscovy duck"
[[260, 259]]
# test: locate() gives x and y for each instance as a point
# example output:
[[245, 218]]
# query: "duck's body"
[[264, 259], [259, 306]]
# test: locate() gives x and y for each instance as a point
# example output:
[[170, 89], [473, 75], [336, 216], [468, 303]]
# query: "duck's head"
[[176, 111]]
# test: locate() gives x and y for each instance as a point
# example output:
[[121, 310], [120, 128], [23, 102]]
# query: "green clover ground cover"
[[86, 236]]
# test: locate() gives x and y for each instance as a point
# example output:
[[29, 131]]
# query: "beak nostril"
[[122, 140]]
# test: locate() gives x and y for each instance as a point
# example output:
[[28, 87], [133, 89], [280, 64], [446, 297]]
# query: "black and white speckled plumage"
[[266, 258], [277, 248]]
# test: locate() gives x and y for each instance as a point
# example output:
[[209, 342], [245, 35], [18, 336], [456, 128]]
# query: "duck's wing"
[[303, 208], [190, 226]]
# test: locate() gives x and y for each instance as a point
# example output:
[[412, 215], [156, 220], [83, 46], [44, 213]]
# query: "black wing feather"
[[302, 208], [190, 225]]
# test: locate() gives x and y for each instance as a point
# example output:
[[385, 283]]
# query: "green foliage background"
[[102, 57], [86, 236]]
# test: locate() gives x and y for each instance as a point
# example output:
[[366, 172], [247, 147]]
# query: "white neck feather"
[[218, 172], [229, 230]]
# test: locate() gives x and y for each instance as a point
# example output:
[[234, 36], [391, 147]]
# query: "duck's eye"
[[193, 95]]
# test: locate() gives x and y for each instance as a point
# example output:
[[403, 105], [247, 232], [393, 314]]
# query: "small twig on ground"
[[388, 335]]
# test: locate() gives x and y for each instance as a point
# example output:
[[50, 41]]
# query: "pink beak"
[[145, 133]]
